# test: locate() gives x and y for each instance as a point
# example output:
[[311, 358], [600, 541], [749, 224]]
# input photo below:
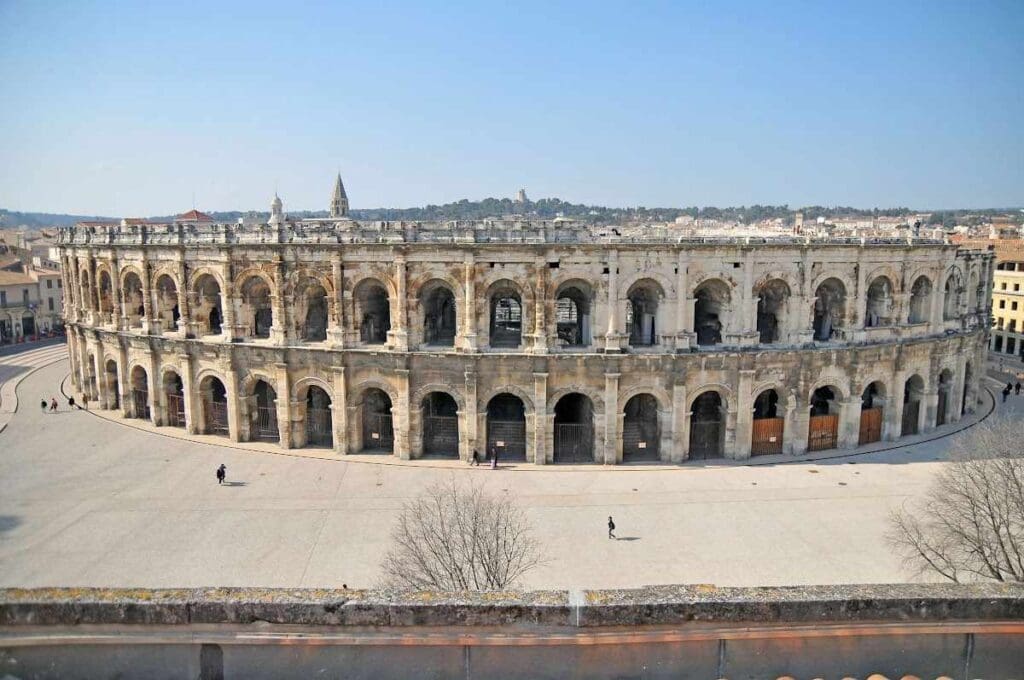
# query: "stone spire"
[[339, 201], [276, 210]]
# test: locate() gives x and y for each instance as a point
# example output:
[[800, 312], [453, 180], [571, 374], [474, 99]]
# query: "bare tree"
[[459, 537], [970, 523]]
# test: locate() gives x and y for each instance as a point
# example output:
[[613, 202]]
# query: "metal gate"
[[574, 443], [266, 423], [140, 403], [639, 440], [441, 435], [767, 436], [216, 415], [318, 427], [378, 432], [508, 438], [175, 410], [705, 439], [940, 414], [911, 411], [870, 425], [823, 433]]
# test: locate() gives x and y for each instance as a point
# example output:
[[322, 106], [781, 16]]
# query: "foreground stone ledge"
[[645, 606]]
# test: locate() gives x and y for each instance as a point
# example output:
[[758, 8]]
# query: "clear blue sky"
[[130, 108]]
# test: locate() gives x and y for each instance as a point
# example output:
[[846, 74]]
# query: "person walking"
[[494, 458], [476, 458], [85, 401], [42, 405], [53, 404], [611, 528], [222, 472], [71, 402], [1006, 392], [1016, 388]]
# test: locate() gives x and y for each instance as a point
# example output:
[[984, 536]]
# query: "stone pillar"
[[540, 418], [469, 419], [612, 420], [929, 409], [849, 422], [892, 416], [684, 304], [184, 311], [124, 385], [156, 407], [279, 326], [680, 424], [468, 341], [150, 324], [191, 394], [540, 298], [613, 337], [789, 424], [284, 404], [398, 336], [744, 413], [235, 411], [402, 410], [339, 411], [98, 390], [336, 328]]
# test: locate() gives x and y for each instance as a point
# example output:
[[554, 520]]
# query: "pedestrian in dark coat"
[[85, 401], [611, 528], [1006, 392], [71, 402], [42, 405], [476, 458], [494, 458], [222, 472], [1016, 388]]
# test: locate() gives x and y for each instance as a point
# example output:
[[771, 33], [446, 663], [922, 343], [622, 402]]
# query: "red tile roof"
[[194, 216]]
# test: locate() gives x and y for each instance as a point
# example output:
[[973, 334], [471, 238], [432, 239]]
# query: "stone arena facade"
[[547, 341]]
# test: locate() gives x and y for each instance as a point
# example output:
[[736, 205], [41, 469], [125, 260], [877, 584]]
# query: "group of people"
[[52, 405], [476, 460], [1010, 387]]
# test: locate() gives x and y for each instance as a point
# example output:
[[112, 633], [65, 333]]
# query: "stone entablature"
[[427, 348]]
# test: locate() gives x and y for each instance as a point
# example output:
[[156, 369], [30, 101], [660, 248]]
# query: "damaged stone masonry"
[[548, 341]]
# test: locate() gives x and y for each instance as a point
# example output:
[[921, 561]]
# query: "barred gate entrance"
[[911, 413], [378, 432], [318, 427], [266, 423], [215, 413], [574, 429], [940, 414], [640, 430], [767, 436], [870, 425], [507, 437], [706, 427], [440, 425], [823, 432], [176, 410], [140, 403]]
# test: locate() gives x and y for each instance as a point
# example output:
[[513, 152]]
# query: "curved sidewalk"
[[984, 411], [15, 366]]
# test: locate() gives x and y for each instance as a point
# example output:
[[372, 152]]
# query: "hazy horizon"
[[128, 110]]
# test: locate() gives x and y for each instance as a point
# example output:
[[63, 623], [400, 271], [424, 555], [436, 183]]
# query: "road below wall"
[[88, 502]]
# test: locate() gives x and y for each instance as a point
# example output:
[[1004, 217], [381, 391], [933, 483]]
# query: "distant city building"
[[31, 300], [521, 196]]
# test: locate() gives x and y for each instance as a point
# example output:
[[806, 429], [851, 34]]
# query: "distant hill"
[[547, 208]]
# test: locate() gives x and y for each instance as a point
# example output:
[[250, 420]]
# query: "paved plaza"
[[86, 501]]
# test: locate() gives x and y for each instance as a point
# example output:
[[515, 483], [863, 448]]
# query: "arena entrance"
[[574, 429], [945, 387], [913, 391], [641, 434], [265, 417], [378, 426], [823, 428], [768, 427], [110, 377], [706, 427], [871, 413], [215, 406], [506, 427], [440, 425], [140, 393], [174, 395], [319, 425]]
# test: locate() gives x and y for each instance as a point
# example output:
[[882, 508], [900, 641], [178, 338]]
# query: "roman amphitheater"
[[546, 341]]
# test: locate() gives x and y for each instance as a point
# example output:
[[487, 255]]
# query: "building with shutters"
[[547, 341]]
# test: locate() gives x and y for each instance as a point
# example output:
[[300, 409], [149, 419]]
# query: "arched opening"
[[872, 413], [440, 425], [167, 310], [506, 427], [707, 426], [951, 302], [642, 313], [772, 308], [711, 302], [574, 429], [140, 393], [920, 300], [264, 415], [823, 428], [84, 291], [314, 327], [256, 312], [28, 324], [945, 388], [378, 429], [879, 304], [319, 425], [106, 296], [438, 316], [133, 307], [174, 399], [110, 379], [913, 393], [91, 388], [769, 425], [641, 432], [6, 331], [208, 313], [215, 406], [373, 311], [506, 327], [967, 386], [829, 309], [572, 314]]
